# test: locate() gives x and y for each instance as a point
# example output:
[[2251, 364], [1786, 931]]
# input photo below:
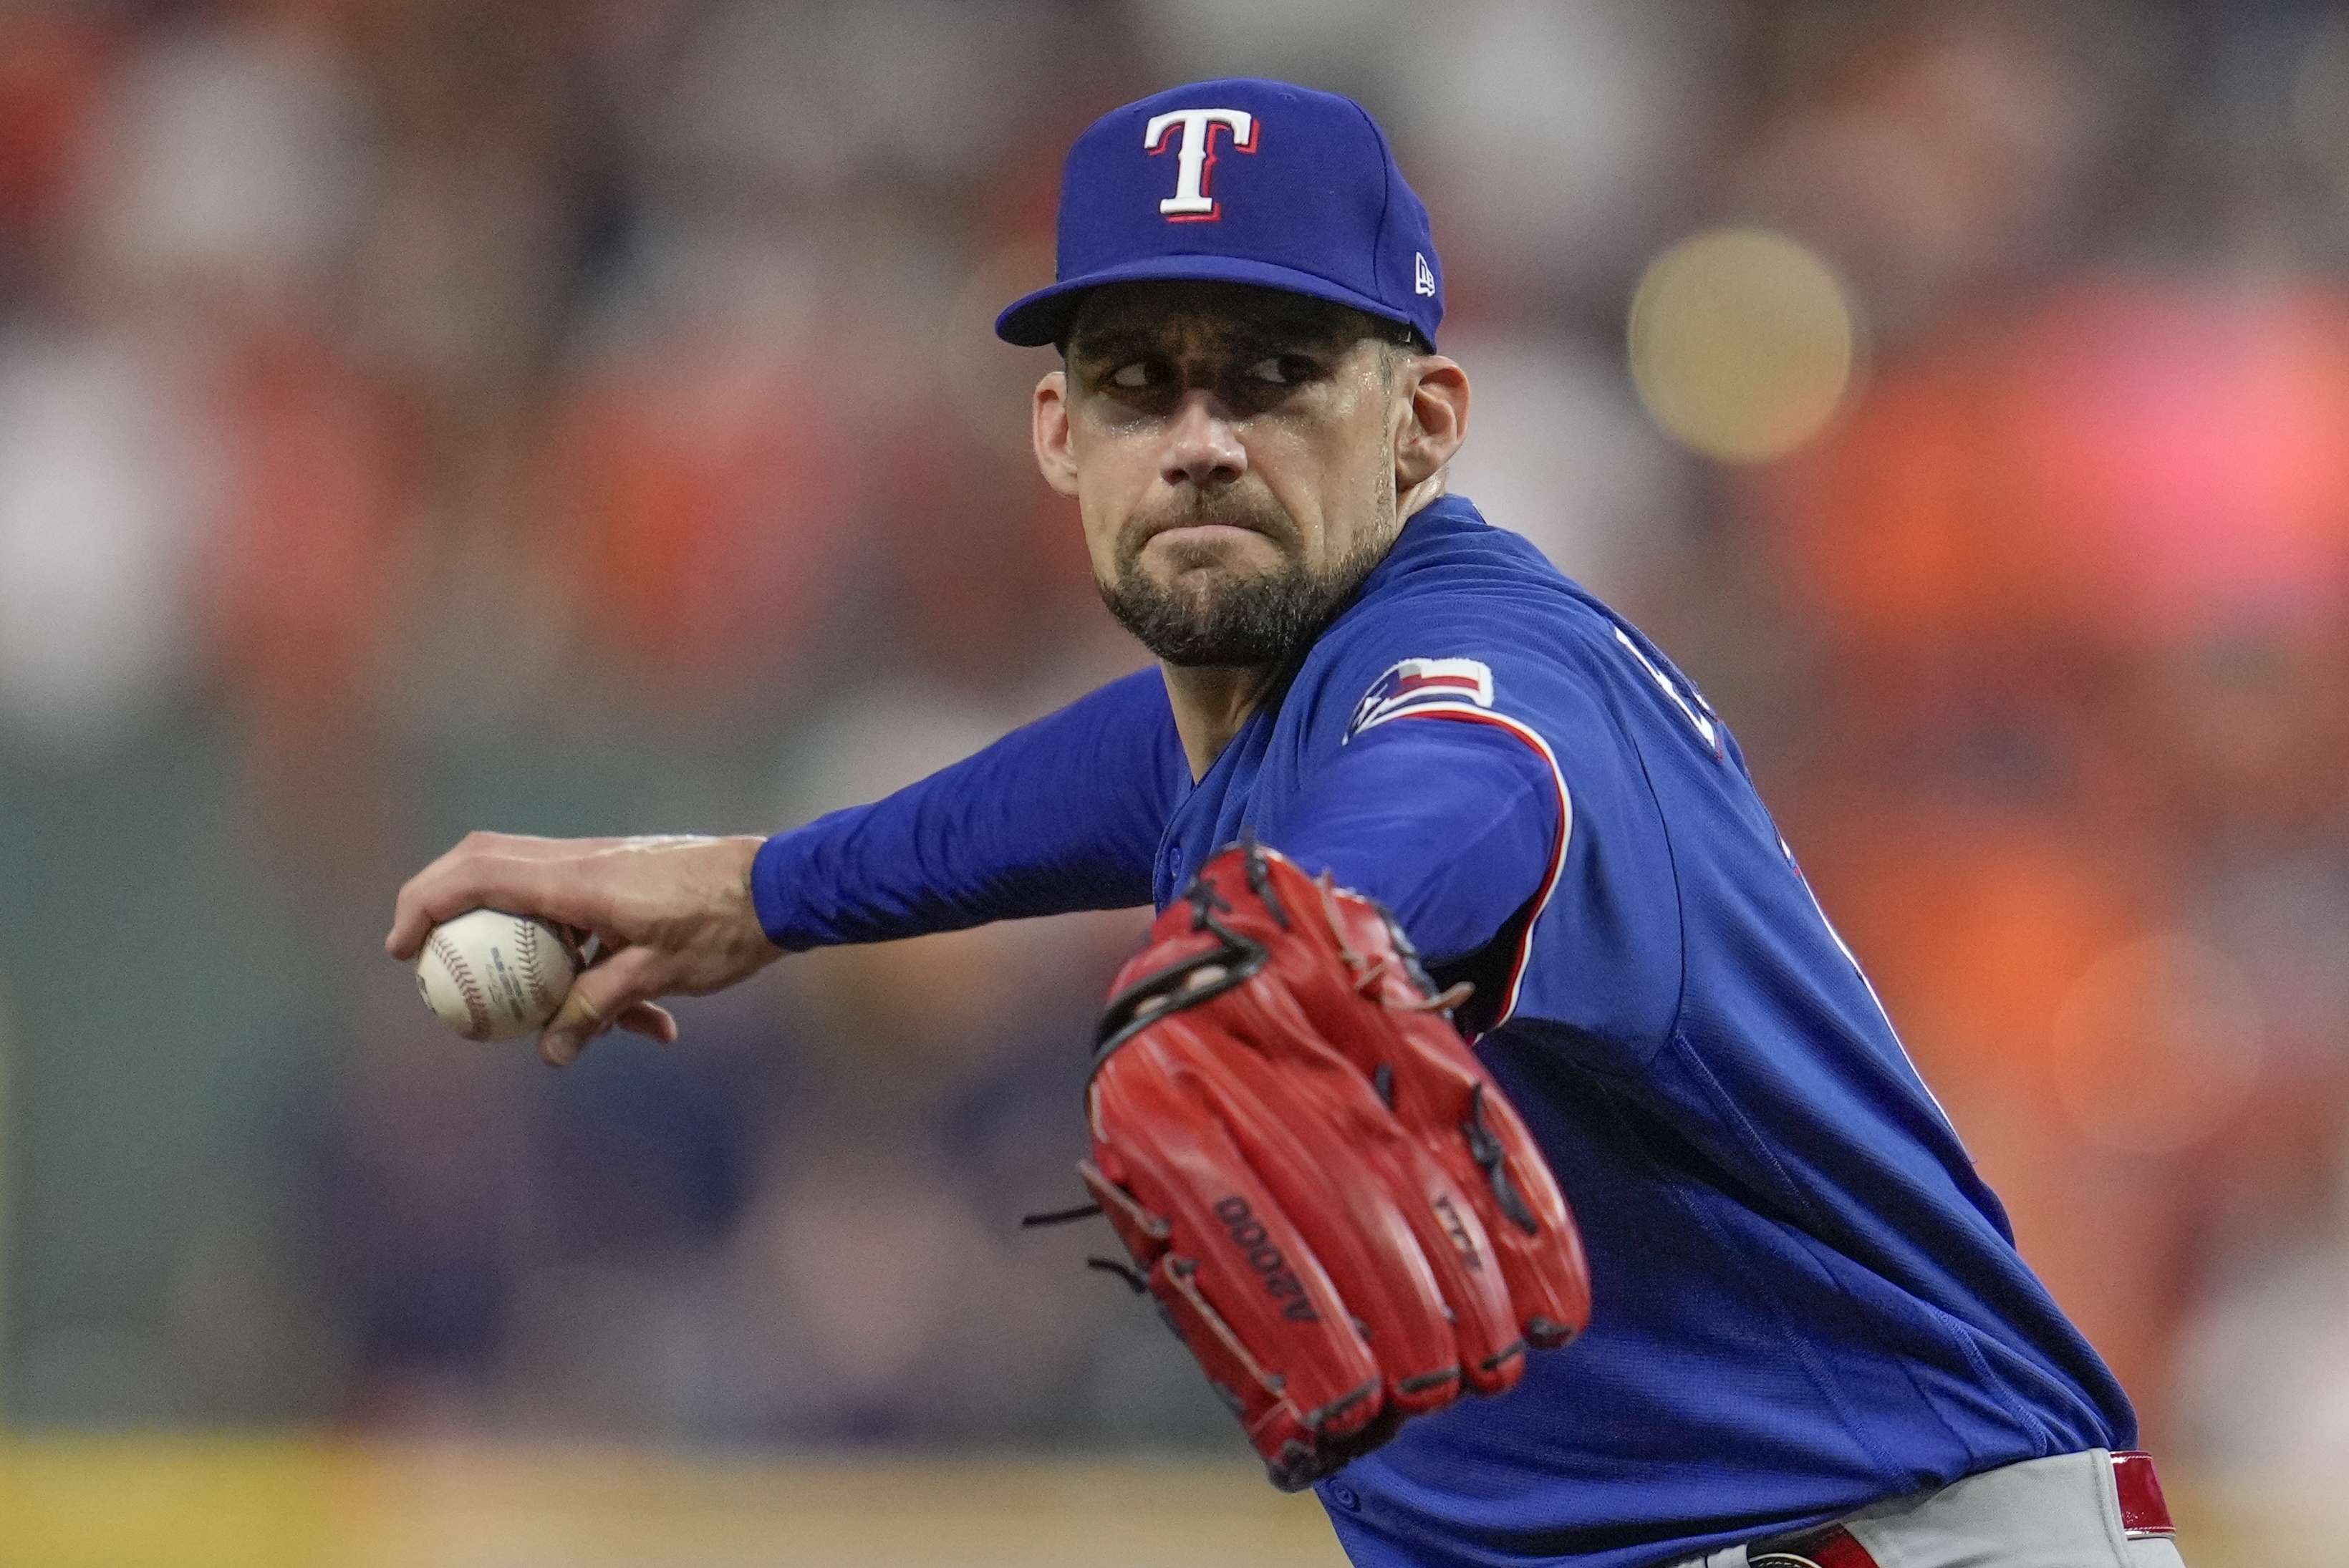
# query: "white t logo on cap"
[[1194, 156]]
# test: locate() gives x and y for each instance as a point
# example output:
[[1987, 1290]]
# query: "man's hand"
[[674, 914]]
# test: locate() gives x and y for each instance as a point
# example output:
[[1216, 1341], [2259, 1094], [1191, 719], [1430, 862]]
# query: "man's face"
[[1233, 452]]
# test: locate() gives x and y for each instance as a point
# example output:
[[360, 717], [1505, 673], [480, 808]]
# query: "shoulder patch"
[[1421, 682]]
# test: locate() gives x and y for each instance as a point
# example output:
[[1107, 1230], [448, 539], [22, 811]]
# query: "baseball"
[[491, 975]]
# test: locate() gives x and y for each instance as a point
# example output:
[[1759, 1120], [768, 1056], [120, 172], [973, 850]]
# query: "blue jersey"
[[1805, 1298]]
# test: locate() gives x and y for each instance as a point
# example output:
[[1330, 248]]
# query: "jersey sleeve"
[[1064, 814], [1453, 827]]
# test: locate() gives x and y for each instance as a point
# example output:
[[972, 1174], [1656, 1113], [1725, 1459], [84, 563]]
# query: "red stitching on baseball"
[[526, 955], [477, 1007]]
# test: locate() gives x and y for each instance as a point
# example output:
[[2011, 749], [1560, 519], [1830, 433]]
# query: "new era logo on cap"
[[1312, 203]]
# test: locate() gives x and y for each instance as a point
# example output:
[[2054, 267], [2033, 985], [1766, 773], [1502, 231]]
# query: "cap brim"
[[1034, 320]]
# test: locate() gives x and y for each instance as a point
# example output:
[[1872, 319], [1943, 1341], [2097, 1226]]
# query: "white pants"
[[2059, 1512]]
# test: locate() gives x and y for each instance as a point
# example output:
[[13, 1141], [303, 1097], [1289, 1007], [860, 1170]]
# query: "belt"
[[2143, 1514]]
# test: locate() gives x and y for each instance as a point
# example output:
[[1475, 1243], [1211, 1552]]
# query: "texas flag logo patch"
[[1417, 683]]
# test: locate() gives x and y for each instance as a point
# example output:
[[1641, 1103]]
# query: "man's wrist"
[[745, 878]]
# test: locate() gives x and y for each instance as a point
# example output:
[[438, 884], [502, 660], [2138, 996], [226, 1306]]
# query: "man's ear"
[[1433, 420], [1049, 431]]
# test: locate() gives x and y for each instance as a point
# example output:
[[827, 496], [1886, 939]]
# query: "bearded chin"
[[1264, 619]]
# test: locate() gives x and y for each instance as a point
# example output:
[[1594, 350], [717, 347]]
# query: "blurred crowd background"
[[580, 416]]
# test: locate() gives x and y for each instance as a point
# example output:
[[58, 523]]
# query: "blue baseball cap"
[[1242, 181]]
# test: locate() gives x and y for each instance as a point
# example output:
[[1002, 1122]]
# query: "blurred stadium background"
[[579, 415]]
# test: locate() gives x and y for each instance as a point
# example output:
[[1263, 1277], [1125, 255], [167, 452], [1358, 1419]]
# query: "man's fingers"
[[577, 1021], [601, 998], [497, 871], [655, 1023]]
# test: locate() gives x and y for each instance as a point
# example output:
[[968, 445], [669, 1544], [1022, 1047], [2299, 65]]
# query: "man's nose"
[[1202, 448]]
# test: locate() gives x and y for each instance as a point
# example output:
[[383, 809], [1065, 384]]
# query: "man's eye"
[[1134, 376], [1282, 370]]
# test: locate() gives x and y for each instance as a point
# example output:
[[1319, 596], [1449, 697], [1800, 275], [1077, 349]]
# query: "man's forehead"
[[1203, 314]]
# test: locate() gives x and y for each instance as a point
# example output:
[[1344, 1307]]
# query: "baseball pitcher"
[[1491, 1110]]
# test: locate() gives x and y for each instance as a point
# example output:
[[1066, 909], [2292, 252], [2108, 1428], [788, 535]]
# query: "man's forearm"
[[1064, 814]]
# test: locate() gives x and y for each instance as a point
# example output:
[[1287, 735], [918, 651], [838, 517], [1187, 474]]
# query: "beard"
[[1205, 616]]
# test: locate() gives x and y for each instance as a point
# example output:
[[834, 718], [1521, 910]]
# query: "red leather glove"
[[1338, 1209]]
